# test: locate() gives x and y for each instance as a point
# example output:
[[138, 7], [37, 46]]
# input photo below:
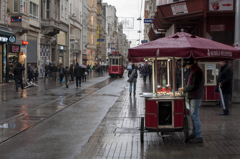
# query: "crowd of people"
[[53, 73]]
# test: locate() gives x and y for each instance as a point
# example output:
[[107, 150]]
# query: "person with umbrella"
[[225, 82]]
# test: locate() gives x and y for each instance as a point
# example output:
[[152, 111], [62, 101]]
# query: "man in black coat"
[[225, 82], [18, 75], [78, 74]]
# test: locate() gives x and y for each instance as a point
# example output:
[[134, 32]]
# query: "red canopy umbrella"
[[184, 45]]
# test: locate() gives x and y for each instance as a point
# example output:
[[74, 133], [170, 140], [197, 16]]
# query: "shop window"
[[92, 20], [61, 9], [47, 8], [33, 11], [210, 73], [116, 61], [15, 6], [92, 3], [91, 38]]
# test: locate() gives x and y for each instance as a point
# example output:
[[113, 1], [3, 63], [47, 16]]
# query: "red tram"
[[116, 64]]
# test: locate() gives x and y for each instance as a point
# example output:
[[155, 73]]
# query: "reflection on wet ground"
[[118, 135], [21, 110]]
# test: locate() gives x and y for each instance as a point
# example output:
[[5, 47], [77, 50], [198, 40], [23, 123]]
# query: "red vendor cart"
[[165, 108]]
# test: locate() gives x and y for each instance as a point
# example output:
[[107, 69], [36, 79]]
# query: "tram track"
[[98, 85]]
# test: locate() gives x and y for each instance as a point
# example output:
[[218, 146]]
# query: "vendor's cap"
[[188, 61]]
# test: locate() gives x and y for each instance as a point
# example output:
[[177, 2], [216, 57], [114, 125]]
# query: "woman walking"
[[134, 80]]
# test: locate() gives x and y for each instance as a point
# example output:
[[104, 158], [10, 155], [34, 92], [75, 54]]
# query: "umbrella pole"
[[155, 76], [182, 71], [173, 76]]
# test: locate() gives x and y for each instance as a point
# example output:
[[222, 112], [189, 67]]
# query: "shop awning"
[[6, 32]]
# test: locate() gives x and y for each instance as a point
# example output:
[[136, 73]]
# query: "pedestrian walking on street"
[[66, 75], [71, 73], [18, 75], [50, 70], [84, 76], [144, 72], [88, 68], [46, 73], [150, 73], [134, 80], [194, 93], [78, 74], [61, 72], [225, 82], [30, 72], [58, 76], [36, 73], [54, 73], [91, 68]]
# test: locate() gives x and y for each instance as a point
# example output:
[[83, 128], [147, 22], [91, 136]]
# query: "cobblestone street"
[[118, 136]]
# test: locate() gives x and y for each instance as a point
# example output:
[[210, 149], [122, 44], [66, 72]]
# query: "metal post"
[[173, 76], [168, 73], [155, 76], [236, 63], [182, 71]]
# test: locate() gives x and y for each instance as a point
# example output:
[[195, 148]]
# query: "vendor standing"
[[194, 93], [225, 82]]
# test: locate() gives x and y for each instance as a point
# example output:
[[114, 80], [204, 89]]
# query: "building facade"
[[92, 31]]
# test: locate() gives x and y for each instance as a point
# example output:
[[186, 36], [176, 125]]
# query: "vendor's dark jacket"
[[195, 84], [225, 78]]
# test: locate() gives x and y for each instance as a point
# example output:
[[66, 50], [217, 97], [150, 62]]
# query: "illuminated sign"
[[14, 48], [16, 18], [12, 39], [3, 39], [25, 42]]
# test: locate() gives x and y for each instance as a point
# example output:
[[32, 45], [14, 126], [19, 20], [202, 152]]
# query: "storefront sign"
[[23, 48], [146, 14], [25, 42], [210, 66], [16, 18], [14, 48], [179, 8], [84, 51], [218, 27], [89, 51], [100, 40], [4, 60], [3, 39], [148, 20], [12, 39], [93, 52], [220, 5], [144, 41]]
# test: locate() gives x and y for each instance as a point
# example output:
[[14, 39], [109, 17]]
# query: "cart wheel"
[[186, 129], [142, 129]]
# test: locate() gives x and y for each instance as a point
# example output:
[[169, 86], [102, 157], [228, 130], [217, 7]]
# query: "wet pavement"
[[24, 109], [101, 120], [118, 136]]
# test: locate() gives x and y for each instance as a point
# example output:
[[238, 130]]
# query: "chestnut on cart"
[[165, 108]]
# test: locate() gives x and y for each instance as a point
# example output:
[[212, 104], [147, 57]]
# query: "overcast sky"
[[130, 9]]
